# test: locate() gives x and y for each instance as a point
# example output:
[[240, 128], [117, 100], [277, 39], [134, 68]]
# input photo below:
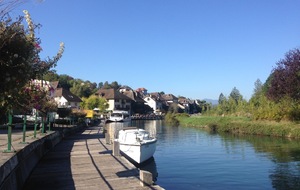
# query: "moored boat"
[[136, 144], [119, 116]]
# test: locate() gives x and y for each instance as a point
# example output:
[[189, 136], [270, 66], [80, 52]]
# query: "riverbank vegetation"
[[277, 99], [274, 108], [241, 125]]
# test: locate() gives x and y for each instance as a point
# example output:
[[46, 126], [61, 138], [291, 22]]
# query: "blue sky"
[[193, 48]]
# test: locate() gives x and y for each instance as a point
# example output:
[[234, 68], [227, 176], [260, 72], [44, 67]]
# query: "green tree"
[[222, 98], [92, 102], [223, 106], [100, 85], [235, 95], [95, 102], [115, 85], [51, 76], [65, 81], [258, 87], [106, 85], [103, 104], [81, 89]]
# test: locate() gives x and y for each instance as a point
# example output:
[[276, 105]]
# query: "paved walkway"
[[84, 161]]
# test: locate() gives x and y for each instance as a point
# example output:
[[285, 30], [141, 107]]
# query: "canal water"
[[190, 158]]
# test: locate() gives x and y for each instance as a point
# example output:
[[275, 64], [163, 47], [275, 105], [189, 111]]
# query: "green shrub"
[[171, 119], [243, 125]]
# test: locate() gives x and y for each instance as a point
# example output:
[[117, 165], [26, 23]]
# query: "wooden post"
[[146, 178], [107, 138], [116, 148]]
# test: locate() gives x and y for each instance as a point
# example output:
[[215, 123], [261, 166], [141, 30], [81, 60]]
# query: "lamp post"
[[9, 132]]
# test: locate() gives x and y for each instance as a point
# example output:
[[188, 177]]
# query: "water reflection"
[[283, 152], [286, 176], [197, 158]]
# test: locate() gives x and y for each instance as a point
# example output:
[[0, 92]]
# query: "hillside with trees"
[[276, 99]]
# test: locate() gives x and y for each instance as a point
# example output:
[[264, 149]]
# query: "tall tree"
[[235, 95], [106, 85], [286, 77], [222, 98], [65, 81], [100, 85], [258, 87], [115, 85]]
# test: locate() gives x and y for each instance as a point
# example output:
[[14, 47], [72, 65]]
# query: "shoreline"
[[242, 125]]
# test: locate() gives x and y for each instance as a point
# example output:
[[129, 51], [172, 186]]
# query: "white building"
[[65, 99]]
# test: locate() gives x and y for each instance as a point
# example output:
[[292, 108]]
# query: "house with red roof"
[[115, 99]]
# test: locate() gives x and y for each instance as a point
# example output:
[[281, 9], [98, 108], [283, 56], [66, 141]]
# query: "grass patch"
[[242, 125]]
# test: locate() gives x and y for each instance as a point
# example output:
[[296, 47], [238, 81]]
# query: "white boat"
[[119, 116], [136, 144]]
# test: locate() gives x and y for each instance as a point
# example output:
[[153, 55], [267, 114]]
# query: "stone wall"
[[14, 172]]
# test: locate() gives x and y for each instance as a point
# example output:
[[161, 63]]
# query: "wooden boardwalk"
[[84, 161]]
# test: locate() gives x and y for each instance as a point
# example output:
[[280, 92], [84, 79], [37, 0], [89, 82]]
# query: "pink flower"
[[38, 47]]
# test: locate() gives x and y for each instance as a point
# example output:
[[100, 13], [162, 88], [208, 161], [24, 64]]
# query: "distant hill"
[[213, 102]]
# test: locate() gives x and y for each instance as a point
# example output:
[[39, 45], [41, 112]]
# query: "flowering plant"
[[38, 96], [20, 61]]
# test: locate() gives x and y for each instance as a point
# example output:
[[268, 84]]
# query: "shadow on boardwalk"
[[84, 161]]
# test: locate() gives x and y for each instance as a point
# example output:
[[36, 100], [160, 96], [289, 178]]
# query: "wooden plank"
[[84, 161]]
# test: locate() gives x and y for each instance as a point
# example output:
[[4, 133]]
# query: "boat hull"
[[118, 119], [119, 116], [139, 153]]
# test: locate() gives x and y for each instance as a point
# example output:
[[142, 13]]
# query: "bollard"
[[116, 148], [107, 138], [146, 178]]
